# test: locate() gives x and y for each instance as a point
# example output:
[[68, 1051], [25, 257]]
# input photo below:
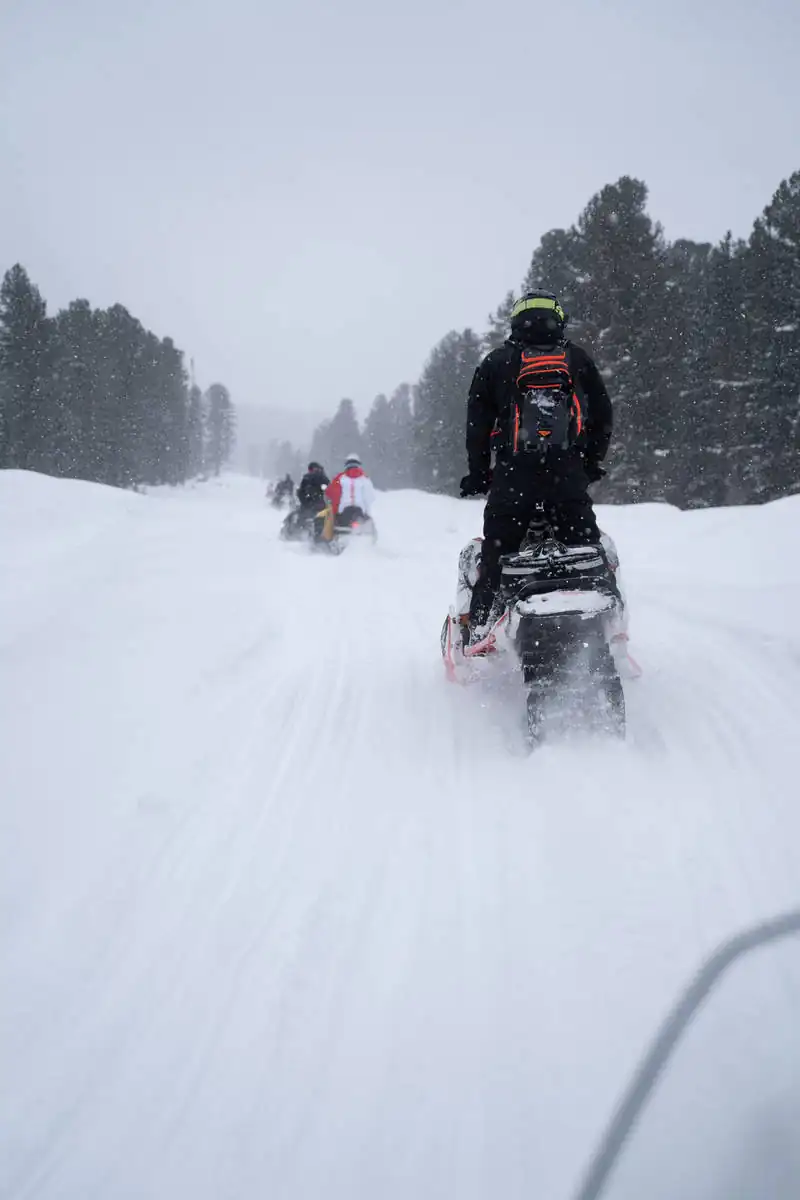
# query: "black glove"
[[477, 483], [594, 472]]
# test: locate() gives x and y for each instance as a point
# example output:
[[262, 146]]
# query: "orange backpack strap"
[[538, 370], [577, 412]]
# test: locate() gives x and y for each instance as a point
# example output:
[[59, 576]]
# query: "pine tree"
[[94, 395], [774, 412], [24, 335], [690, 457], [377, 439], [556, 266], [284, 459], [172, 412], [499, 322], [321, 445], [195, 434], [334, 439], [221, 428], [610, 271], [625, 312], [344, 436], [126, 435], [74, 383], [399, 456], [440, 411], [728, 340]]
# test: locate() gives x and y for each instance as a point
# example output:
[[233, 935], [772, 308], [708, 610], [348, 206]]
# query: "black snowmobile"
[[298, 525], [558, 611], [559, 602]]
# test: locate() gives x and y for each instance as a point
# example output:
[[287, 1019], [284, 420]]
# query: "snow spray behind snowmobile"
[[335, 531], [298, 525], [559, 602], [560, 613]]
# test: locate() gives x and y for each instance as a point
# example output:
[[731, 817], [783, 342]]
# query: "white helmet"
[[352, 460]]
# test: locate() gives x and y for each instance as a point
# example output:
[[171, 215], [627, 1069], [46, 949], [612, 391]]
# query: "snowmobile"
[[560, 615], [298, 525], [340, 529]]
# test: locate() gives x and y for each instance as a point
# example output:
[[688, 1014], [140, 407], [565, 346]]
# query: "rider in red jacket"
[[351, 489]]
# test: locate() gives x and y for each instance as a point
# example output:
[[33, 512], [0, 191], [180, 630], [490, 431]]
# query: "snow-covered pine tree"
[[625, 311], [344, 436], [220, 427], [24, 337], [688, 462], [195, 434], [399, 462], [499, 322], [774, 275], [377, 438]]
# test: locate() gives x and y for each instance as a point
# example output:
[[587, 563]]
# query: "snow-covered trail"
[[281, 914]]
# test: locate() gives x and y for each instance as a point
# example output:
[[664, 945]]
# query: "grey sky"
[[306, 196]]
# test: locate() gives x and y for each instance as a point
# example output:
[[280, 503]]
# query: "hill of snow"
[[281, 915]]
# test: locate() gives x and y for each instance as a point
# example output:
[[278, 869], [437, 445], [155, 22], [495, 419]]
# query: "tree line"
[[91, 394], [699, 345]]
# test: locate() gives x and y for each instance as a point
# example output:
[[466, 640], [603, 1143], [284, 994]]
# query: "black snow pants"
[[573, 523]]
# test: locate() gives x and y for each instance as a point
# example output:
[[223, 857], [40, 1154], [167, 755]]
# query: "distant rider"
[[541, 458], [284, 489]]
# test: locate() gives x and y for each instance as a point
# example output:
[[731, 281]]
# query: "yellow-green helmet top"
[[538, 315]]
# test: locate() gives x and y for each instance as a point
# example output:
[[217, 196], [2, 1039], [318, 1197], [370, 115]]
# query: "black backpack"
[[548, 414]]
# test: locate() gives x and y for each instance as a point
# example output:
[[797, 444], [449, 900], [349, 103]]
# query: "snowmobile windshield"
[[711, 1110]]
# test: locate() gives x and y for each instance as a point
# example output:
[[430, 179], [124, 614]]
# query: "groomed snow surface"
[[283, 916]]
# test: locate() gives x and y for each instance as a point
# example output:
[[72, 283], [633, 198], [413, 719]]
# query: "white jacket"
[[352, 489]]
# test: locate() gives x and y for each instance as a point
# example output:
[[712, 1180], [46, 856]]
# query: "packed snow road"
[[282, 916]]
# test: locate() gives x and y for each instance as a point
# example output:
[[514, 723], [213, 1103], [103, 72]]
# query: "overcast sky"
[[307, 195]]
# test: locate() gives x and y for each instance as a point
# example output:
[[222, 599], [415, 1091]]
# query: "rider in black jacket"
[[522, 481], [311, 492]]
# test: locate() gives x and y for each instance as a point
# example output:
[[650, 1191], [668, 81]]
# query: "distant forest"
[[699, 345], [91, 394]]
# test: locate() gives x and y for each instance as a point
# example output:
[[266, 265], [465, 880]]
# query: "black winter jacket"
[[312, 488], [520, 479]]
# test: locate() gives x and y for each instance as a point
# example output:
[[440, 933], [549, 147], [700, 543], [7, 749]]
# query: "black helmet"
[[538, 317], [314, 466]]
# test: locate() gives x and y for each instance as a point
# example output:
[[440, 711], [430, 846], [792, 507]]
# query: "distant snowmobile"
[[561, 616], [283, 493]]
